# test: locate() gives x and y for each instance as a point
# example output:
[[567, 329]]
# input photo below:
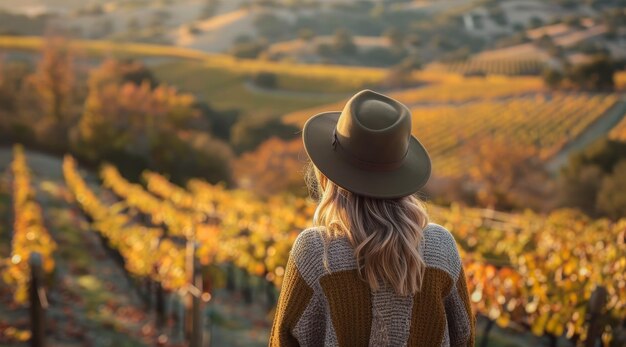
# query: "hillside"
[[451, 115], [215, 34], [500, 270], [98, 301], [353, 76], [308, 50], [223, 80], [153, 178], [426, 31]]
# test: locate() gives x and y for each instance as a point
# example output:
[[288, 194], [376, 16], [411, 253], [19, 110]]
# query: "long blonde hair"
[[385, 233]]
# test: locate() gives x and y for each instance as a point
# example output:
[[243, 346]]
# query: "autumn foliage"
[[276, 166]]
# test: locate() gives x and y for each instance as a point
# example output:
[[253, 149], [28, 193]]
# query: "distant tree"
[[611, 196], [442, 43], [55, 79], [243, 38], [7, 103], [410, 63], [498, 16], [325, 50], [248, 49], [573, 21], [1, 70], [271, 26], [306, 34], [591, 48], [196, 154], [591, 178], [121, 116], [192, 29], [209, 9], [579, 188], [553, 78], [274, 167], [507, 176], [611, 32], [414, 39], [568, 4], [159, 18], [596, 75], [266, 80], [536, 22], [114, 71], [395, 36], [16, 96], [380, 56], [545, 41], [343, 42], [90, 10], [400, 75], [516, 39], [377, 11], [518, 27], [16, 125], [614, 17], [133, 24], [459, 54], [220, 122], [248, 133], [107, 27]]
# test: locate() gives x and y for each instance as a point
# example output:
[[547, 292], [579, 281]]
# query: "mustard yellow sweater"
[[321, 306]]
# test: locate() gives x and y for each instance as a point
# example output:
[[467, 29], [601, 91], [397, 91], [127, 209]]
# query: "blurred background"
[[151, 167]]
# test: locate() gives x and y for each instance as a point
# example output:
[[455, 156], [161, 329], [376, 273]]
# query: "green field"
[[224, 90], [301, 77], [224, 81]]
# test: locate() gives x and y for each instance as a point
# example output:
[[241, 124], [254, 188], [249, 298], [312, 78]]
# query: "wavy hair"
[[386, 234]]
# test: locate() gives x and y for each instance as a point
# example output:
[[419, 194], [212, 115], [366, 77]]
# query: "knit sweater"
[[332, 306]]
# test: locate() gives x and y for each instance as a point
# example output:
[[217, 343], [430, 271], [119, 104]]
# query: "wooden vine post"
[[193, 312], [595, 318], [159, 292], [197, 333], [189, 255], [38, 301]]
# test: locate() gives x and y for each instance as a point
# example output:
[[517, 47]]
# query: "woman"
[[373, 271]]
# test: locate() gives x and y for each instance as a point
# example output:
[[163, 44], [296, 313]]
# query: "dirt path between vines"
[[596, 130], [91, 301]]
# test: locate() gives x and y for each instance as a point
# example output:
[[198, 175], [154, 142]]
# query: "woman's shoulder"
[[440, 249], [438, 234], [308, 241], [315, 254]]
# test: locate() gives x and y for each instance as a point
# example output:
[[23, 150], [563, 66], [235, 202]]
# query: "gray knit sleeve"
[[294, 300], [461, 320]]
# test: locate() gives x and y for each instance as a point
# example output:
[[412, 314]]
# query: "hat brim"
[[405, 180]]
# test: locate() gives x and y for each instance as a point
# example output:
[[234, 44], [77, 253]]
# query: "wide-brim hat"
[[368, 147]]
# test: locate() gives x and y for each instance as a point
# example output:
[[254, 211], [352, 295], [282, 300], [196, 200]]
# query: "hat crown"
[[376, 115], [374, 129]]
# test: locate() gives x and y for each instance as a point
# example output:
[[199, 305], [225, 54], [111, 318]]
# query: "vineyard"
[[450, 89], [619, 131], [29, 233], [508, 67], [526, 271], [542, 122]]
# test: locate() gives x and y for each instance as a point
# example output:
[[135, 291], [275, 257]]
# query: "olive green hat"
[[368, 148]]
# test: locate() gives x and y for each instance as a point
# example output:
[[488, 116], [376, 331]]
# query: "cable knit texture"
[[324, 303]]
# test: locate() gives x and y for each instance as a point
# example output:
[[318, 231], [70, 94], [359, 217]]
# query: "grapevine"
[[29, 231]]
